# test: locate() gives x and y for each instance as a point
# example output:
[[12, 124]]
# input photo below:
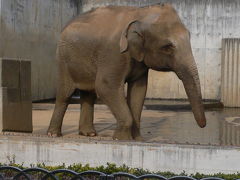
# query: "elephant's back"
[[102, 23], [92, 35], [103, 13]]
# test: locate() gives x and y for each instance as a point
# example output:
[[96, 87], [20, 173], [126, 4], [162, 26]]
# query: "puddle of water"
[[223, 128]]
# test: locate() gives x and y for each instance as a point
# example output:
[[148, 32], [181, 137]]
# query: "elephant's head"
[[162, 42]]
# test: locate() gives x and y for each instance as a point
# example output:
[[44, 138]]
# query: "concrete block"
[[10, 70], [15, 96], [16, 115], [25, 79]]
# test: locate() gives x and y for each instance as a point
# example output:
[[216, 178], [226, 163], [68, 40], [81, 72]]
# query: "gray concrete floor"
[[174, 124]]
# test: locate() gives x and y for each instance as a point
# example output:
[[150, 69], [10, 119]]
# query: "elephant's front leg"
[[135, 98], [114, 97]]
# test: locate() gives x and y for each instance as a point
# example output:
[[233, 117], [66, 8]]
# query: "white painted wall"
[[154, 157], [208, 22]]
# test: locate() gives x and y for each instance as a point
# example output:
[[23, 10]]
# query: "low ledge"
[[152, 156]]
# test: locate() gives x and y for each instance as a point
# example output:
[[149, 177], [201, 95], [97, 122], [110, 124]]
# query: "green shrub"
[[112, 168]]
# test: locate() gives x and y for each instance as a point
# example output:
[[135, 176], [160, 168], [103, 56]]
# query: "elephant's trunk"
[[191, 82]]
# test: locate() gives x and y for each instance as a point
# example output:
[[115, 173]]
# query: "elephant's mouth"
[[164, 69]]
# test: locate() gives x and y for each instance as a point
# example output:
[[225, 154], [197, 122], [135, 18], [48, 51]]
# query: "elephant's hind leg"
[[86, 117], [64, 92]]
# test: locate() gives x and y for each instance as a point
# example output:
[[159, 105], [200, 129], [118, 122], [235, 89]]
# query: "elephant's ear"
[[132, 40]]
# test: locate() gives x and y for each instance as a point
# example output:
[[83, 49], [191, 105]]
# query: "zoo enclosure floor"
[[164, 122]]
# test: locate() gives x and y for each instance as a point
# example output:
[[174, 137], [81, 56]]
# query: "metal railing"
[[14, 173]]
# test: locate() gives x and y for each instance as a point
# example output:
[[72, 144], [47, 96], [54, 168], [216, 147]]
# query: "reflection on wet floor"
[[223, 128], [230, 127], [168, 126]]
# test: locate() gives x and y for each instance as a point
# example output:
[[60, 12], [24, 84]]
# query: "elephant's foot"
[[123, 134], [54, 133], [136, 134], [86, 131], [138, 138]]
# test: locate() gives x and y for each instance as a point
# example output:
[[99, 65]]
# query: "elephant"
[[103, 49]]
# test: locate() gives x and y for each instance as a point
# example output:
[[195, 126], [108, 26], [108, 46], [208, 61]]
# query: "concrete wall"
[[29, 29], [208, 22], [154, 157]]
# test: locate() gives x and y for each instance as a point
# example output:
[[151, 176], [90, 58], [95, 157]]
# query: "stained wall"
[[29, 29]]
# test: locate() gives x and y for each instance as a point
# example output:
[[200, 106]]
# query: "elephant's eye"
[[168, 48]]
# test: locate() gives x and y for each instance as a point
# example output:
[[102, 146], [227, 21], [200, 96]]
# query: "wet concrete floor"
[[162, 121]]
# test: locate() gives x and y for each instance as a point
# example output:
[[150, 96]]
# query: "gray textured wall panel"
[[30, 29], [208, 22]]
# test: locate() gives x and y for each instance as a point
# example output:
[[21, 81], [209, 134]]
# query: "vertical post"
[[230, 84]]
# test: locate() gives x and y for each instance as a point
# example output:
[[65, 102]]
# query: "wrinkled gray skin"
[[103, 49]]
